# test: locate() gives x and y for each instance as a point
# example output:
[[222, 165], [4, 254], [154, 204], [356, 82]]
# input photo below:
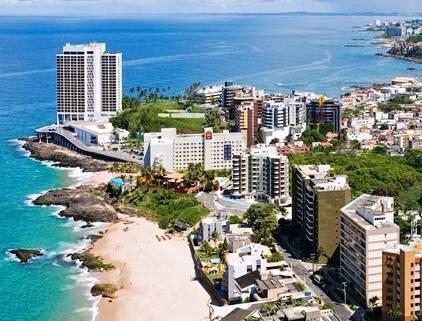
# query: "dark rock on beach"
[[25, 255], [87, 225], [81, 204], [105, 290], [91, 262], [62, 157]]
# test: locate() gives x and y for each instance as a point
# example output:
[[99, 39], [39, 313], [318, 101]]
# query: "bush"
[[274, 257], [234, 219]]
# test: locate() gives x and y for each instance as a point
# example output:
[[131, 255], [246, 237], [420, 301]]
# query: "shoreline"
[[149, 277], [148, 274]]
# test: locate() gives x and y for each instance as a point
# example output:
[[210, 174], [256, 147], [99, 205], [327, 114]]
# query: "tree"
[[380, 149], [215, 236], [394, 312], [414, 159], [274, 141], [195, 175], [373, 302], [263, 220], [418, 315], [320, 252]]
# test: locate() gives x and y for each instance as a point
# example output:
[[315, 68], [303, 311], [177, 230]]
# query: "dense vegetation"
[[263, 220], [394, 104], [375, 172], [316, 133], [415, 38], [165, 206]]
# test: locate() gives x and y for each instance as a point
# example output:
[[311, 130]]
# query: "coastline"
[[148, 275]]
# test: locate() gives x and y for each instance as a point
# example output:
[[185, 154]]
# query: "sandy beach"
[[156, 277]]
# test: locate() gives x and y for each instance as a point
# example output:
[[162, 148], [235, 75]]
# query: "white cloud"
[[93, 7]]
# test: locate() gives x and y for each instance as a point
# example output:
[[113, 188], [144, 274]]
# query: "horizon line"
[[304, 13]]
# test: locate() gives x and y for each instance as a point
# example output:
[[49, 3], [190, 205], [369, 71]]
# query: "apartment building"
[[210, 95], [317, 198], [246, 121], [329, 113], [281, 119], [89, 83], [245, 111], [228, 92], [175, 152], [367, 229], [401, 280], [261, 173]]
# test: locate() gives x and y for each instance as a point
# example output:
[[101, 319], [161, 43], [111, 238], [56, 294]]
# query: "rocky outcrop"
[[406, 50], [92, 262], [62, 157], [82, 204], [106, 290], [25, 255]]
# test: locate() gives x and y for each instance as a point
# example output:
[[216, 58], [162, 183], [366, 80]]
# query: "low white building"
[[245, 260], [175, 152], [101, 133], [210, 95], [212, 225]]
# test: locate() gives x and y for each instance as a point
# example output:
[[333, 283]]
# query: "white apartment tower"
[[367, 229], [89, 83], [262, 174], [281, 118]]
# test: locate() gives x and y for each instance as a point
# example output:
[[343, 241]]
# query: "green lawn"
[[144, 118]]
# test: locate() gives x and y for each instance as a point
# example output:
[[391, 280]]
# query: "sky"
[[138, 7]]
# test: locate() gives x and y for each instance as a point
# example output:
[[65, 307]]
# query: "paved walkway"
[[118, 156]]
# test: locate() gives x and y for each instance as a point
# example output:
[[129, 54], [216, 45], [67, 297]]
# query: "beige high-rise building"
[[261, 173], [401, 280], [367, 229], [89, 83]]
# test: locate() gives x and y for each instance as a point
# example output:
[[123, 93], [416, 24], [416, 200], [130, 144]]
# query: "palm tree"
[[394, 312], [215, 236], [373, 302]]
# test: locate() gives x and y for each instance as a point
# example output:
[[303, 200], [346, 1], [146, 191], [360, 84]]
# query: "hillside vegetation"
[[165, 206], [371, 172]]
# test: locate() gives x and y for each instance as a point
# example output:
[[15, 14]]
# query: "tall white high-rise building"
[[89, 83]]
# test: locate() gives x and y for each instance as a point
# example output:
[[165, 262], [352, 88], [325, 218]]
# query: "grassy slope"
[[165, 206]]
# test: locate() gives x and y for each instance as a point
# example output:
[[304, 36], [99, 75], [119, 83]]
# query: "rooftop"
[[314, 171], [371, 211]]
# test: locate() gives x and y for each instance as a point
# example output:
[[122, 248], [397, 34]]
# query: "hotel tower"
[[89, 83]]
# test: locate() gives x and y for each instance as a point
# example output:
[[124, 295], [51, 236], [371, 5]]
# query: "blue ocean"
[[324, 54]]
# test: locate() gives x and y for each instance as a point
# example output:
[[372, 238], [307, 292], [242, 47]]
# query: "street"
[[302, 273]]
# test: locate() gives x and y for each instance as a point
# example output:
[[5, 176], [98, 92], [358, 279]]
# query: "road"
[[302, 273]]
